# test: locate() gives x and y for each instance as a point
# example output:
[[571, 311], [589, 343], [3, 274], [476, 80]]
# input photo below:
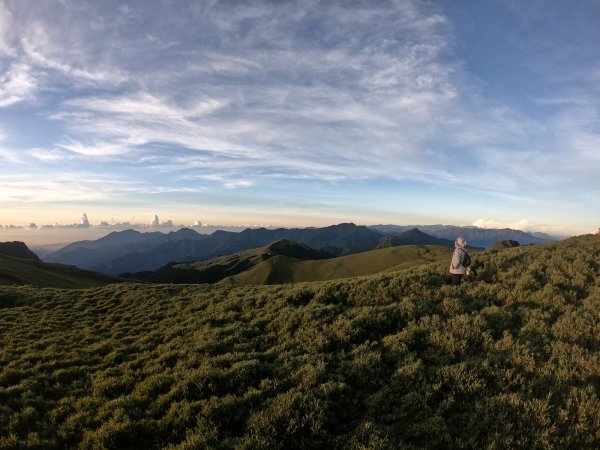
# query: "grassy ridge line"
[[395, 360], [283, 269], [25, 271]]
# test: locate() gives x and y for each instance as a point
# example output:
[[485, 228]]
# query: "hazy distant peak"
[[186, 232]]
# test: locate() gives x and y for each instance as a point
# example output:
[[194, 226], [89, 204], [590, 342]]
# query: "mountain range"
[[131, 251], [476, 237]]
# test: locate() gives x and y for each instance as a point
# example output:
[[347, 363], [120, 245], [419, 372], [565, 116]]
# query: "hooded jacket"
[[456, 265]]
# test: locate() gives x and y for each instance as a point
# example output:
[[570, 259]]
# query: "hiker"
[[460, 261]]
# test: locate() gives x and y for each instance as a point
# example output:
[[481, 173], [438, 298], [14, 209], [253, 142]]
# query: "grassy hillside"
[[283, 269], [397, 360], [17, 271]]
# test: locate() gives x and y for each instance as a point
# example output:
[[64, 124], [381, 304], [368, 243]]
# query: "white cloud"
[[523, 225], [95, 149], [48, 155], [6, 20], [40, 49], [144, 106], [237, 184], [43, 191], [17, 84], [9, 155]]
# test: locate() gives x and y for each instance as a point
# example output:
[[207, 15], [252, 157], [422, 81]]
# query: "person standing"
[[460, 261]]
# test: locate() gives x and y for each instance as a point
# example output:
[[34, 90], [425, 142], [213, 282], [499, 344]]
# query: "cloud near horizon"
[[522, 225], [243, 95]]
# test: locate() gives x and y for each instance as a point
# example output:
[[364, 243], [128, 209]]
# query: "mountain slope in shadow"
[[29, 270]]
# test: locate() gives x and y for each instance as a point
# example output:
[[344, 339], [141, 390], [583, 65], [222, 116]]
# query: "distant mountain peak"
[[343, 226], [186, 232], [414, 232], [413, 236], [286, 247]]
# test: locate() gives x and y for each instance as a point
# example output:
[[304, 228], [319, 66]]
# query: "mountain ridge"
[[475, 236], [413, 237]]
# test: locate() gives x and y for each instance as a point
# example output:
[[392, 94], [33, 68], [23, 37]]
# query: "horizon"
[[299, 114], [57, 234]]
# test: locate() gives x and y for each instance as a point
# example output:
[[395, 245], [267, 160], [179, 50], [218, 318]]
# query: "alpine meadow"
[[396, 360]]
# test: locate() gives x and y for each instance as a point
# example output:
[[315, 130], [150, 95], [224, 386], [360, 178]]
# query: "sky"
[[301, 113]]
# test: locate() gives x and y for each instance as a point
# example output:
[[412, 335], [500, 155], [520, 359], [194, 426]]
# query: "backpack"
[[466, 262]]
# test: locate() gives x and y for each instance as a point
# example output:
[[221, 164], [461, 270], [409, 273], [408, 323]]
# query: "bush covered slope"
[[399, 360]]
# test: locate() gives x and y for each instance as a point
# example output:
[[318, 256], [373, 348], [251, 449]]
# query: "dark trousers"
[[456, 278]]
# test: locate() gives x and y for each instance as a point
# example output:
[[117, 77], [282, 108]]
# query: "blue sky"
[[301, 113]]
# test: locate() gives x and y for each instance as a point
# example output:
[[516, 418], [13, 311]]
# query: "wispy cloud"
[[24, 190], [6, 20], [17, 84], [249, 94], [297, 105]]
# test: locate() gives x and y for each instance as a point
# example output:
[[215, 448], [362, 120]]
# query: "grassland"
[[394, 360], [17, 271], [284, 269]]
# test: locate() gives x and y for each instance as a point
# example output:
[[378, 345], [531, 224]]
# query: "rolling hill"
[[29, 270], [284, 269], [393, 360]]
